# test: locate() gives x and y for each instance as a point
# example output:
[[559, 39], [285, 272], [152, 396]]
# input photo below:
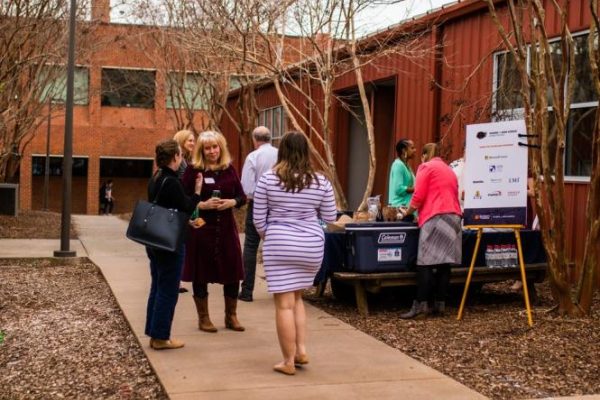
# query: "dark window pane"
[[508, 84], [584, 88], [128, 88], [578, 153], [125, 168], [80, 166]]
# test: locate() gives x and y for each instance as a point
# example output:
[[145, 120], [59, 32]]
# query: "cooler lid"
[[381, 226]]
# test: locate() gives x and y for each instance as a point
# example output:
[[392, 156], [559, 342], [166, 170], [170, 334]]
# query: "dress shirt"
[[257, 163]]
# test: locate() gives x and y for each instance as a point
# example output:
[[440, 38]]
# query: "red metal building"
[[427, 99]]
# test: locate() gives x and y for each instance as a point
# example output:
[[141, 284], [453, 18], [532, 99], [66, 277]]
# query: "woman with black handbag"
[[165, 267]]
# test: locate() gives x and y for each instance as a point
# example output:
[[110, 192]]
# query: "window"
[[274, 119], [187, 90], [38, 166], [53, 79], [508, 103], [128, 88]]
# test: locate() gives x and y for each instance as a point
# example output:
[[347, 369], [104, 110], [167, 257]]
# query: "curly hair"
[[293, 167]]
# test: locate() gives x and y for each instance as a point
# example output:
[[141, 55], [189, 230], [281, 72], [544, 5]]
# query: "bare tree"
[[32, 51], [546, 80]]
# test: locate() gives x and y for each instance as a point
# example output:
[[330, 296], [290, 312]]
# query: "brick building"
[[116, 125]]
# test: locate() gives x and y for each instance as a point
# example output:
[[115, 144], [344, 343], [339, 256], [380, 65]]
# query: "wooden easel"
[[479, 229]]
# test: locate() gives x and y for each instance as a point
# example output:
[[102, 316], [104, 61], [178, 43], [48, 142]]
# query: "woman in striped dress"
[[440, 236], [288, 203]]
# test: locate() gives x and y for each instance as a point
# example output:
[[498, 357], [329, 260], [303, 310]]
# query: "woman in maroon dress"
[[213, 251]]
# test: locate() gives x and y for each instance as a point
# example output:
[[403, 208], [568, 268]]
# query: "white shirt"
[[458, 167], [257, 163]]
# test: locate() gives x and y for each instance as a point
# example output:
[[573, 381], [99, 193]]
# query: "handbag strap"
[[159, 189]]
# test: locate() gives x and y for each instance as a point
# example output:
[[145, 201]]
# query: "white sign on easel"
[[495, 174]]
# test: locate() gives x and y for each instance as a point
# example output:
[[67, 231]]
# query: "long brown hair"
[[293, 166]]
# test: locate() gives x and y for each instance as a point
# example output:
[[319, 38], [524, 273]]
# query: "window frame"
[[269, 114], [521, 111], [152, 70], [82, 101], [173, 106]]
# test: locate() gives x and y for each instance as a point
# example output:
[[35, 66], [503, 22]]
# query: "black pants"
[[251, 242], [433, 279], [229, 289], [108, 206]]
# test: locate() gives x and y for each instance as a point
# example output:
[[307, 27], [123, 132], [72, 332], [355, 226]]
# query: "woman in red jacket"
[[440, 237]]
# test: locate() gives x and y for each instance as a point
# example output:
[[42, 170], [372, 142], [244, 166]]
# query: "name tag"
[[209, 180]]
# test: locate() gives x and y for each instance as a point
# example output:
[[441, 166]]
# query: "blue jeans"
[[251, 242], [165, 269]]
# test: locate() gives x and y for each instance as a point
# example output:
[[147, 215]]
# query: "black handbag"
[[157, 227]]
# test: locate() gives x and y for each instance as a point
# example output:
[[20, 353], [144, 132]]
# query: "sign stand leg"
[[523, 277], [469, 275], [517, 230]]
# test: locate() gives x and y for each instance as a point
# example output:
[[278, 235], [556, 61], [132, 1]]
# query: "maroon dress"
[[212, 252]]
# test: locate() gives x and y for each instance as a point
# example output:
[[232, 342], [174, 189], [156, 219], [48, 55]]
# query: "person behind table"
[[187, 141], [213, 253], [289, 200], [257, 162], [402, 179], [440, 236], [165, 266]]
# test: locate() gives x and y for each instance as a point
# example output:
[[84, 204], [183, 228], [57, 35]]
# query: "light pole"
[[47, 164], [65, 225]]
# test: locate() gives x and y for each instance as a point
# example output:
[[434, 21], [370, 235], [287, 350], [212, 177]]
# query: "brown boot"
[[204, 323], [231, 321]]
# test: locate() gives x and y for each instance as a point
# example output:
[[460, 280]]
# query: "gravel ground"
[[492, 350], [33, 225], [62, 335]]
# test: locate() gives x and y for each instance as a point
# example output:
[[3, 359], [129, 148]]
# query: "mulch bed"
[[492, 350], [32, 225], [62, 335]]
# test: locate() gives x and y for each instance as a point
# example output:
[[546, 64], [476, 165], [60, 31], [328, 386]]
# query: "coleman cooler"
[[381, 246]]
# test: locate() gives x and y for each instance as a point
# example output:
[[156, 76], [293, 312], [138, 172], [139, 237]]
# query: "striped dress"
[[293, 238]]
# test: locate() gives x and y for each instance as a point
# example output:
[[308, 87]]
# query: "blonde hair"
[[181, 137], [430, 150], [199, 161]]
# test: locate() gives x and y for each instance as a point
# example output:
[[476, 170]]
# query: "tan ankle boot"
[[204, 323], [159, 344], [231, 321]]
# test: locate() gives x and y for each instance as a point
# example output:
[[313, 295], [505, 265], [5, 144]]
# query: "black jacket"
[[171, 195]]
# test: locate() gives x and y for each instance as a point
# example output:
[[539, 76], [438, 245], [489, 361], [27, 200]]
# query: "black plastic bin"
[[381, 246]]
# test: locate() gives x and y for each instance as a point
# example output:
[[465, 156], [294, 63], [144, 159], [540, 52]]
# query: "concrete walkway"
[[345, 363]]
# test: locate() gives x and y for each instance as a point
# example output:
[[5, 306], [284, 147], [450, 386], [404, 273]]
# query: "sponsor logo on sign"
[[391, 238], [481, 135], [496, 180], [495, 193], [496, 168], [514, 180], [495, 157], [513, 193], [477, 181], [477, 195], [478, 217], [497, 134]]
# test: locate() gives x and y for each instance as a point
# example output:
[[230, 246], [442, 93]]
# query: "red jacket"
[[436, 190]]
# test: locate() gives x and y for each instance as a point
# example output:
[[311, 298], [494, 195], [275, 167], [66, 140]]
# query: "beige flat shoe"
[[158, 344], [301, 359], [285, 369]]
